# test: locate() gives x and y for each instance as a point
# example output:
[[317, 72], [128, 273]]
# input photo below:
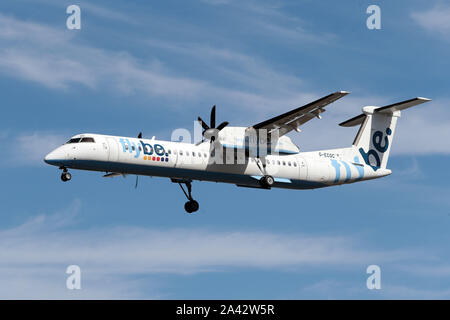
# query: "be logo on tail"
[[381, 144]]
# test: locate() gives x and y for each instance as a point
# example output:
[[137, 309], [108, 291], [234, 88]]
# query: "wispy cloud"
[[341, 289], [272, 19], [44, 246], [436, 19], [409, 292], [29, 149], [56, 59], [107, 13], [53, 58], [91, 10], [422, 130], [413, 171]]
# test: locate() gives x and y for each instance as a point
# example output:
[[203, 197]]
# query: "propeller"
[[211, 132], [137, 177]]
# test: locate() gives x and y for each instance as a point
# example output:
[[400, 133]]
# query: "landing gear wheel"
[[191, 206], [267, 181], [66, 176]]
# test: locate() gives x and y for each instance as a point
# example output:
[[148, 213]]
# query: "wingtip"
[[424, 99], [344, 92]]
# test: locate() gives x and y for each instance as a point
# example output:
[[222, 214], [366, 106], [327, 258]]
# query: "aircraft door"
[[302, 169], [113, 149]]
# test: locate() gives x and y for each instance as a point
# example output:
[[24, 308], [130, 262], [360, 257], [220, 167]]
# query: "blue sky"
[[155, 67]]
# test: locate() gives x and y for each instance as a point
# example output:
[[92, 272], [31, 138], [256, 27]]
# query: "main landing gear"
[[65, 175], [267, 181], [191, 205]]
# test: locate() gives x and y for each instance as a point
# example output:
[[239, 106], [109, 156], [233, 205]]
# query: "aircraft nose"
[[49, 158], [54, 157]]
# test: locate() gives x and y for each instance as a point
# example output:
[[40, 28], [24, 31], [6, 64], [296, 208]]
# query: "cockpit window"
[[77, 140], [73, 140]]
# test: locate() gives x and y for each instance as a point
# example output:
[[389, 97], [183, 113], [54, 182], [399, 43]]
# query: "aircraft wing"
[[291, 120]]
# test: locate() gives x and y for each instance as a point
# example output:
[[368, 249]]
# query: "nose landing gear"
[[65, 175], [191, 205]]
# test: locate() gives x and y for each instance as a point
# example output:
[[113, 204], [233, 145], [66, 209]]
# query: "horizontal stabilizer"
[[353, 121], [390, 109], [402, 105]]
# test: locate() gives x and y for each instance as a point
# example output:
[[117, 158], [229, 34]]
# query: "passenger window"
[[284, 163], [126, 147], [289, 163], [205, 155], [169, 151], [193, 154], [181, 152], [278, 162], [132, 148], [199, 154], [295, 164]]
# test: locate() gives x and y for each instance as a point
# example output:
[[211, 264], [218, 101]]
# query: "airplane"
[[258, 156]]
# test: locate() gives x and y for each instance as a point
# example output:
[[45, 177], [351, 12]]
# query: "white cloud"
[[105, 12], [424, 130], [55, 59], [52, 58], [421, 130], [29, 149], [332, 289], [33, 256], [408, 292], [58, 59], [411, 172], [436, 19], [272, 19]]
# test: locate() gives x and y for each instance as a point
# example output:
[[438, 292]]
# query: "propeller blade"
[[222, 125], [204, 125], [140, 135], [213, 117], [137, 179]]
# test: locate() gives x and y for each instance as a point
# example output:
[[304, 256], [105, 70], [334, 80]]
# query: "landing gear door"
[[113, 149]]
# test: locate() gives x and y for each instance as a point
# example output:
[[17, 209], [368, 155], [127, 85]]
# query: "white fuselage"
[[126, 155]]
